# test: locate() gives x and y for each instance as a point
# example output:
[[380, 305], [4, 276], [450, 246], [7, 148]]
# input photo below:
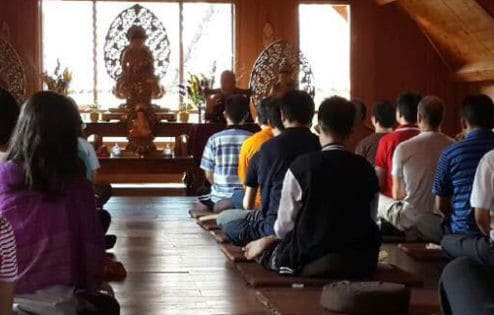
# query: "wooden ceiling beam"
[[476, 72], [462, 33], [384, 2]]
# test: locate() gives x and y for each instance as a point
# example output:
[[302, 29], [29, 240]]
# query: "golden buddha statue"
[[141, 122], [285, 81], [138, 85]]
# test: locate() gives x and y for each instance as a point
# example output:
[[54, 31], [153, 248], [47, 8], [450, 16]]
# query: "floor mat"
[[220, 236], [256, 276], [195, 214], [307, 301], [419, 251], [234, 253], [208, 225]]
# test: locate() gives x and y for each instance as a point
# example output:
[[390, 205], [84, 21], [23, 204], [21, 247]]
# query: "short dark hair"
[[407, 105], [431, 108], [45, 143], [237, 108], [360, 107], [273, 113], [384, 113], [337, 116], [262, 110], [298, 106], [9, 113], [478, 110]]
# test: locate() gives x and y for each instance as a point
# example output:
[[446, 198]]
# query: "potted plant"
[[59, 81], [94, 114], [194, 93], [183, 112]]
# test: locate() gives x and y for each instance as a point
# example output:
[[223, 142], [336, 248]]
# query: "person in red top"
[[406, 116]]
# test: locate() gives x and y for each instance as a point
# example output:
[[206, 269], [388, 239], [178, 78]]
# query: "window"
[[325, 41], [74, 33]]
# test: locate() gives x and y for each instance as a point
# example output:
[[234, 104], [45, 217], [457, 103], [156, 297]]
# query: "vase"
[[201, 110], [94, 117], [183, 117]]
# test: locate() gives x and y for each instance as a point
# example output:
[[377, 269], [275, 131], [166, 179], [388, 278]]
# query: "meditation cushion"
[[366, 297]]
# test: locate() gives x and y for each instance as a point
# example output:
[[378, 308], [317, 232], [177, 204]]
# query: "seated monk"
[[326, 220], [215, 98]]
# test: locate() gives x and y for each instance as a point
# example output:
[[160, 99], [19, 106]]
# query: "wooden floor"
[[174, 267]]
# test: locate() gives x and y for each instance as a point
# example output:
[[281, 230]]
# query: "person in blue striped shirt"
[[221, 154], [456, 169]]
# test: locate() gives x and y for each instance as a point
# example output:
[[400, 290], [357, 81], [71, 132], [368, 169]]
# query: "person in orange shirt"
[[269, 119]]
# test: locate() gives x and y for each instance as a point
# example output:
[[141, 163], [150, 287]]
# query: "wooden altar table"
[[131, 164], [119, 129], [114, 168]]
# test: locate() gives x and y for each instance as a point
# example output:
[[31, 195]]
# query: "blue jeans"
[[240, 226], [238, 199], [478, 248], [228, 216], [466, 287]]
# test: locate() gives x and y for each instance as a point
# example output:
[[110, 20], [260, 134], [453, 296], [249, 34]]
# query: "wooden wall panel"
[[252, 16], [405, 59], [389, 52], [22, 17], [488, 6]]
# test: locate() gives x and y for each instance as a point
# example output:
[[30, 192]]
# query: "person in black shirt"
[[274, 158], [326, 223]]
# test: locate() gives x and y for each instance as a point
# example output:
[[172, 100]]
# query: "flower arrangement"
[[60, 80], [194, 92]]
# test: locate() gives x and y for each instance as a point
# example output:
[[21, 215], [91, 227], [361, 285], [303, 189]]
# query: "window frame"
[[181, 65], [347, 3]]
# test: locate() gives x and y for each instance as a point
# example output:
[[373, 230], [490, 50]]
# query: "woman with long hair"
[[51, 207]]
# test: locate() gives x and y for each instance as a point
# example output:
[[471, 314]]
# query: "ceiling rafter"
[[461, 31]]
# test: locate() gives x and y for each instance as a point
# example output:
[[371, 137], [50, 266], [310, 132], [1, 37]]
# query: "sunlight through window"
[[325, 41], [68, 28]]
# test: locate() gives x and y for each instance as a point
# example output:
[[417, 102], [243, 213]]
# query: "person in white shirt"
[[414, 163], [478, 247]]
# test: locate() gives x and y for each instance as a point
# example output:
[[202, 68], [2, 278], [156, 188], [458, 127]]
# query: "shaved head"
[[228, 81], [431, 109]]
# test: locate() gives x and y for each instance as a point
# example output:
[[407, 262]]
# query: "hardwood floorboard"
[[175, 267]]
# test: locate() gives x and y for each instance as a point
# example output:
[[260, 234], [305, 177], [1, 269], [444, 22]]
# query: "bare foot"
[[257, 247]]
